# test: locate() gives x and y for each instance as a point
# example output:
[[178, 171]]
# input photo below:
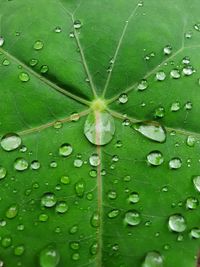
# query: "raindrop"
[[19, 250], [175, 106], [142, 85], [48, 200], [123, 99], [57, 29], [153, 259], [175, 74], [62, 207], [152, 131], [94, 160], [133, 198], [20, 164], [197, 27], [49, 257], [196, 182], [159, 112], [132, 218], [112, 195], [5, 62], [35, 165], [95, 220], [192, 203], [12, 211], [78, 163], [44, 69], [94, 248], [186, 60], [175, 163], [65, 150], [6, 241], [113, 213], [65, 179], [10, 142], [177, 223], [77, 24], [188, 105], [167, 50], [99, 128], [38, 45], [80, 188], [160, 76], [155, 158], [191, 140], [3, 172], [24, 77], [2, 41], [187, 71], [195, 233], [33, 62]]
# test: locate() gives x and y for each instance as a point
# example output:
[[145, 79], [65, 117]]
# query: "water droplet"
[[188, 105], [134, 198], [175, 106], [152, 131], [3, 172], [160, 76], [155, 158], [175, 74], [75, 256], [2, 41], [159, 112], [65, 179], [197, 27], [195, 233], [48, 200], [94, 160], [188, 70], [19, 250], [20, 164], [6, 241], [35, 165], [191, 140], [62, 207], [123, 99], [132, 218], [112, 195], [177, 223], [153, 259], [43, 217], [44, 69], [196, 182], [95, 220], [113, 213], [78, 163], [77, 24], [33, 62], [12, 211], [6, 62], [142, 85], [175, 163], [80, 188], [186, 60], [38, 45], [65, 150], [53, 164], [74, 245], [99, 128], [192, 203], [93, 249], [24, 77], [167, 50], [57, 29], [10, 142], [49, 257]]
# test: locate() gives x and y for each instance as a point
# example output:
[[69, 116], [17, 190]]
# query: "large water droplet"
[[151, 131], [177, 223], [99, 128], [49, 257], [153, 259], [132, 218], [175, 163], [155, 158], [10, 142]]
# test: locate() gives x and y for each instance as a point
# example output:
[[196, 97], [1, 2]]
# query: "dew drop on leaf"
[[195, 233], [196, 182], [94, 248], [197, 27], [3, 172], [78, 163], [159, 112], [167, 50], [10, 142], [153, 259], [99, 128], [142, 85], [80, 188], [113, 213], [65, 179], [132, 218], [187, 71], [65, 150], [151, 131], [48, 200], [155, 158], [57, 29], [191, 203], [44, 69], [1, 41], [33, 62], [61, 207], [38, 45], [19, 250], [175, 106], [77, 24], [160, 76], [191, 140], [175, 74], [123, 99], [6, 241], [133, 198], [95, 220], [176, 223], [6, 62], [175, 163], [12, 211], [21, 164], [94, 160], [35, 165], [49, 257], [24, 77]]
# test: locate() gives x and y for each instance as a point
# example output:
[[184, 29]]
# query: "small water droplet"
[[19, 250], [38, 45], [10, 142], [152, 131], [80, 188], [44, 69], [48, 200], [132, 218], [24, 77], [95, 220], [3, 172], [195, 233], [177, 223], [153, 259], [155, 158], [21, 164], [33, 62], [112, 195], [142, 85], [94, 160], [78, 163], [167, 50], [175, 163], [160, 76], [57, 29], [49, 257], [123, 99], [62, 207], [2, 41], [197, 27], [192, 203], [65, 150], [191, 140], [134, 198], [113, 213], [65, 179], [175, 74], [175, 106], [196, 182], [12, 211], [77, 24], [188, 70], [35, 165]]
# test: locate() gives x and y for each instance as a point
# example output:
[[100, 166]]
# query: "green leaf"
[[100, 133]]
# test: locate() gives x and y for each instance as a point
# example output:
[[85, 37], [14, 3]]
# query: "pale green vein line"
[[168, 129], [118, 48], [50, 124], [45, 80]]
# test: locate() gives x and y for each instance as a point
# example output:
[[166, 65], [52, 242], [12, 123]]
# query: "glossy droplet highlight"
[[153, 259], [48, 200], [77, 24], [196, 182], [3, 172], [49, 257], [1, 41], [142, 85], [99, 128], [21, 164], [94, 160], [38, 45], [176, 223], [152, 131], [65, 150], [132, 218], [10, 142], [24, 77], [175, 163], [155, 158]]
